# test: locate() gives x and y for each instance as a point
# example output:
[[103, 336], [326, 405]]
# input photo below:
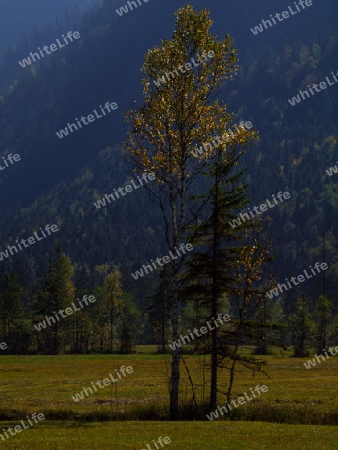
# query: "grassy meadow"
[[300, 407], [183, 435]]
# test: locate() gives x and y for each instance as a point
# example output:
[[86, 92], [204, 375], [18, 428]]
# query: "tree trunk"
[[213, 382], [175, 363]]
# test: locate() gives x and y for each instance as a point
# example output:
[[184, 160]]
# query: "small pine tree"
[[324, 322], [58, 295], [128, 324], [302, 326], [11, 312]]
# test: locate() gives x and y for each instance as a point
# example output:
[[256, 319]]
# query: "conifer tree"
[[303, 327], [209, 276], [324, 322], [128, 324], [58, 295], [11, 310]]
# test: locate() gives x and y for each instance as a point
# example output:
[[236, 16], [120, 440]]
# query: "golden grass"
[[46, 384]]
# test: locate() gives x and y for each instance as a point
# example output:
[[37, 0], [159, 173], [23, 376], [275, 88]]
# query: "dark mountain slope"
[[296, 143]]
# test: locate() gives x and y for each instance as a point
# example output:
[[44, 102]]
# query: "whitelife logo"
[[295, 100], [90, 118], [128, 188], [70, 35], [68, 311], [221, 139], [31, 241], [263, 207], [188, 66], [203, 330], [331, 170], [139, 273], [18, 428], [284, 14], [300, 278], [106, 382], [10, 158], [223, 409], [312, 362], [124, 9], [166, 440]]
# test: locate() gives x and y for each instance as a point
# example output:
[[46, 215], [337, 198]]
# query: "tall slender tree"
[[180, 113]]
